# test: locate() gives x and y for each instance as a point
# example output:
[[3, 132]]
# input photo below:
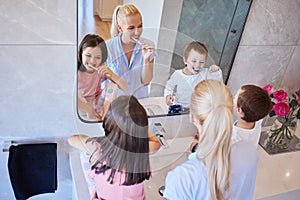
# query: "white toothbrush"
[[140, 43], [201, 69], [136, 40]]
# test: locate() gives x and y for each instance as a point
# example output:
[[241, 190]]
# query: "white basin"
[[165, 160], [155, 106]]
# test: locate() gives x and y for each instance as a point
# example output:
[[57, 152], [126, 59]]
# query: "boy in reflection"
[[184, 80]]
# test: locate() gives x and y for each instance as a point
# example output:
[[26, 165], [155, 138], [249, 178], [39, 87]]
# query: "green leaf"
[[272, 113], [298, 114], [293, 103], [298, 93]]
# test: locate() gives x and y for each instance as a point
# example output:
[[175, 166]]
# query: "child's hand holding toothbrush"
[[214, 68], [170, 100]]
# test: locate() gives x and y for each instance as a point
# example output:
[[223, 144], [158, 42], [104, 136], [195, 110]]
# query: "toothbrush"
[[140, 43], [95, 68], [201, 69], [136, 40]]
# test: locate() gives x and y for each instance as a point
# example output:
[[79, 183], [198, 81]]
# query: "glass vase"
[[282, 130]]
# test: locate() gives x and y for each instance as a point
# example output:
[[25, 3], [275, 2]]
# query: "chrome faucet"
[[159, 132]]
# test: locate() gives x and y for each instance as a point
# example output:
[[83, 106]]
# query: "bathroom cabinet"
[[104, 9]]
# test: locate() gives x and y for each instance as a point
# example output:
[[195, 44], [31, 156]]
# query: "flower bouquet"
[[286, 112]]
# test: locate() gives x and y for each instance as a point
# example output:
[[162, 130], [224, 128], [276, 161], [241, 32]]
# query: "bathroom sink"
[[155, 106], [165, 160], [153, 109], [157, 180]]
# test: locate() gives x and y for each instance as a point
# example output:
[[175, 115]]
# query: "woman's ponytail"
[[119, 12], [114, 31], [212, 104]]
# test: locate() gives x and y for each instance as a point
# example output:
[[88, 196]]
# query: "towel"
[[33, 169]]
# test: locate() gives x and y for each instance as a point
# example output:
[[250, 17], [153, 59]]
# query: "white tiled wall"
[[269, 49], [38, 52], [37, 81]]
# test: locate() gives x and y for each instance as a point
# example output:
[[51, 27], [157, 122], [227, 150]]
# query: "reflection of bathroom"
[[38, 57], [220, 29]]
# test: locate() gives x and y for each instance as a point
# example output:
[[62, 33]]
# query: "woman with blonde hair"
[[206, 176], [129, 55]]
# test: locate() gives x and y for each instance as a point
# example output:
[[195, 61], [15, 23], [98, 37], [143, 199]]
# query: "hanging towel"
[[33, 169]]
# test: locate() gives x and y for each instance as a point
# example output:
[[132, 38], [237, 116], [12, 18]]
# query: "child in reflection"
[[92, 72], [130, 56], [184, 80], [120, 159]]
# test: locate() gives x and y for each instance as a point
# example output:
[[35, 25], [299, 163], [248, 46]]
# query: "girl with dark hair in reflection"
[[92, 72]]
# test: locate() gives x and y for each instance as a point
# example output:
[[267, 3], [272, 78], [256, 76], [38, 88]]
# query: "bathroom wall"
[[269, 51], [37, 81]]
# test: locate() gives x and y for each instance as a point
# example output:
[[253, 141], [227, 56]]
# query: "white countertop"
[[276, 174], [155, 105], [279, 173]]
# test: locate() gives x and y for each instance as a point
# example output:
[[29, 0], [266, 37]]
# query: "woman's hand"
[[148, 51], [154, 143], [214, 68], [170, 100], [195, 142]]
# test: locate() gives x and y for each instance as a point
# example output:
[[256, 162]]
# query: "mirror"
[[171, 25]]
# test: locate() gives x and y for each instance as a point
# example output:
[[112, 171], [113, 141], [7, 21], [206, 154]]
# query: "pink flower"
[[280, 95], [281, 109], [269, 88], [298, 100]]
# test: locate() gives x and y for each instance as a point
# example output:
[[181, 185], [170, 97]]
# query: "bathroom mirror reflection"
[[171, 25]]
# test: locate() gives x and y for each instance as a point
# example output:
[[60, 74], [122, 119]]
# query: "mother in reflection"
[[130, 56]]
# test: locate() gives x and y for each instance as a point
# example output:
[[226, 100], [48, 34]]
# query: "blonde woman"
[[130, 56]]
